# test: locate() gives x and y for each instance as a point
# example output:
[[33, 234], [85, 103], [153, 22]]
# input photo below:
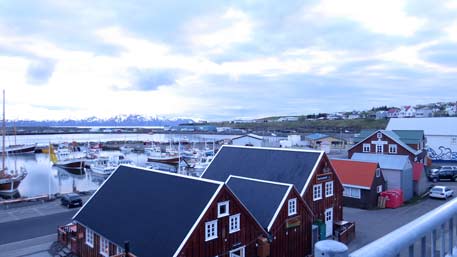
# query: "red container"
[[394, 198]]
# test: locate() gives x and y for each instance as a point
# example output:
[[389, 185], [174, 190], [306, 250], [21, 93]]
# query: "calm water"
[[43, 178], [46, 139]]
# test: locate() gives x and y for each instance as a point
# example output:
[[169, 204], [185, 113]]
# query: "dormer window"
[[292, 207], [393, 148], [222, 209]]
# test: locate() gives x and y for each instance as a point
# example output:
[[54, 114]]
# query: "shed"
[[362, 182], [397, 170], [248, 140]]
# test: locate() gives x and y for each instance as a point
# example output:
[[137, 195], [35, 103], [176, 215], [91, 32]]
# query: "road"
[[33, 227]]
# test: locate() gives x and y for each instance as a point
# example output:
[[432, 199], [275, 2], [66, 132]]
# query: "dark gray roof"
[[262, 198], [273, 164], [153, 210]]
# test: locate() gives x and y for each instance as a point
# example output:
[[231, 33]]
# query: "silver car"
[[441, 192]]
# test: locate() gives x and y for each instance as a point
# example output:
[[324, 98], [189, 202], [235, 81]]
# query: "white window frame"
[[104, 246], [380, 147], [328, 188], [317, 192], [89, 237], [234, 223], [378, 172], [352, 192], [292, 207], [210, 230], [366, 148], [379, 189], [393, 148], [226, 213]]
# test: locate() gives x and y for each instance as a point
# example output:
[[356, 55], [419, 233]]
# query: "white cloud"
[[384, 17], [451, 32], [219, 32]]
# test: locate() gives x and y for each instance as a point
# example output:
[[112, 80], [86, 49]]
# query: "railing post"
[[330, 248]]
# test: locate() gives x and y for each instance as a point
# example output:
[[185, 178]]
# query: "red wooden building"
[[281, 211], [309, 171], [163, 214], [399, 142]]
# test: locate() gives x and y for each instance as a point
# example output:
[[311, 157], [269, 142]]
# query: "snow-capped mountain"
[[118, 120]]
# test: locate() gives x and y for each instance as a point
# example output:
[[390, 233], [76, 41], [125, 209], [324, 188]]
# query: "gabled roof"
[[355, 173], [290, 166], [439, 126], [155, 211], [392, 135], [249, 135], [316, 136], [410, 136], [386, 161], [262, 198]]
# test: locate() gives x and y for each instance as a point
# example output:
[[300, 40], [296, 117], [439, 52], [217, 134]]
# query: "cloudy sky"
[[223, 59]]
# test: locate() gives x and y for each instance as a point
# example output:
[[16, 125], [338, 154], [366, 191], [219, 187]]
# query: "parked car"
[[71, 200], [444, 172], [441, 192]]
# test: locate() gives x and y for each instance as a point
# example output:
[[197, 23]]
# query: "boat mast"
[[3, 136]]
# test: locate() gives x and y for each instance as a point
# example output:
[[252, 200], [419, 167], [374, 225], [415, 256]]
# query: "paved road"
[[33, 227]]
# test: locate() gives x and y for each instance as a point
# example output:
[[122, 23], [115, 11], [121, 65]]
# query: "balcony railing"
[[432, 234]]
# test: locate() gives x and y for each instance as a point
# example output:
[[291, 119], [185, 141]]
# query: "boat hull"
[[76, 164], [9, 187], [20, 149], [167, 160]]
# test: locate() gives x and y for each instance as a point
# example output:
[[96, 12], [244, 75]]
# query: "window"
[[379, 189], [292, 206], [454, 141], [317, 192], [328, 189], [379, 135], [393, 148], [89, 237], [378, 172], [234, 223], [351, 192], [366, 148], [104, 246], [211, 230], [379, 148], [222, 209]]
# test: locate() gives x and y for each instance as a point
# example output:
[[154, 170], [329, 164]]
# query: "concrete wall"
[[443, 148]]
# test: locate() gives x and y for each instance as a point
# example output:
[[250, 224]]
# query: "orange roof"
[[354, 172]]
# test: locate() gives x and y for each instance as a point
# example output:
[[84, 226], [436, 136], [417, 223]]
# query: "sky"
[[221, 60]]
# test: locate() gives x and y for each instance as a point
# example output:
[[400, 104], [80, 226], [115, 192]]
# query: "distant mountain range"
[[119, 120]]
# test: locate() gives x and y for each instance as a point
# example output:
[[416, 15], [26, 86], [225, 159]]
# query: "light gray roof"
[[386, 161], [397, 139], [439, 126]]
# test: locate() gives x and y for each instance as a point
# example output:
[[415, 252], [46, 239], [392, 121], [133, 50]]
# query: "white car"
[[441, 192]]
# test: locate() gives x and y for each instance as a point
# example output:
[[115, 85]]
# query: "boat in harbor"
[[105, 165], [20, 149], [9, 179], [67, 160], [155, 154]]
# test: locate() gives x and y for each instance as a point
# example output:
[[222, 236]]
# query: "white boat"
[[105, 165], [155, 154], [203, 163], [68, 160], [20, 149]]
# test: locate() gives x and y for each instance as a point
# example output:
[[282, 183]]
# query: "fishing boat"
[[105, 165], [67, 160], [155, 154], [9, 180]]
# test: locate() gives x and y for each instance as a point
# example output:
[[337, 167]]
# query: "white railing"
[[432, 234]]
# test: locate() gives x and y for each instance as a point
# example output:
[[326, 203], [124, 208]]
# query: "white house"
[[393, 113], [440, 134], [424, 113], [284, 119], [407, 112], [248, 140]]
